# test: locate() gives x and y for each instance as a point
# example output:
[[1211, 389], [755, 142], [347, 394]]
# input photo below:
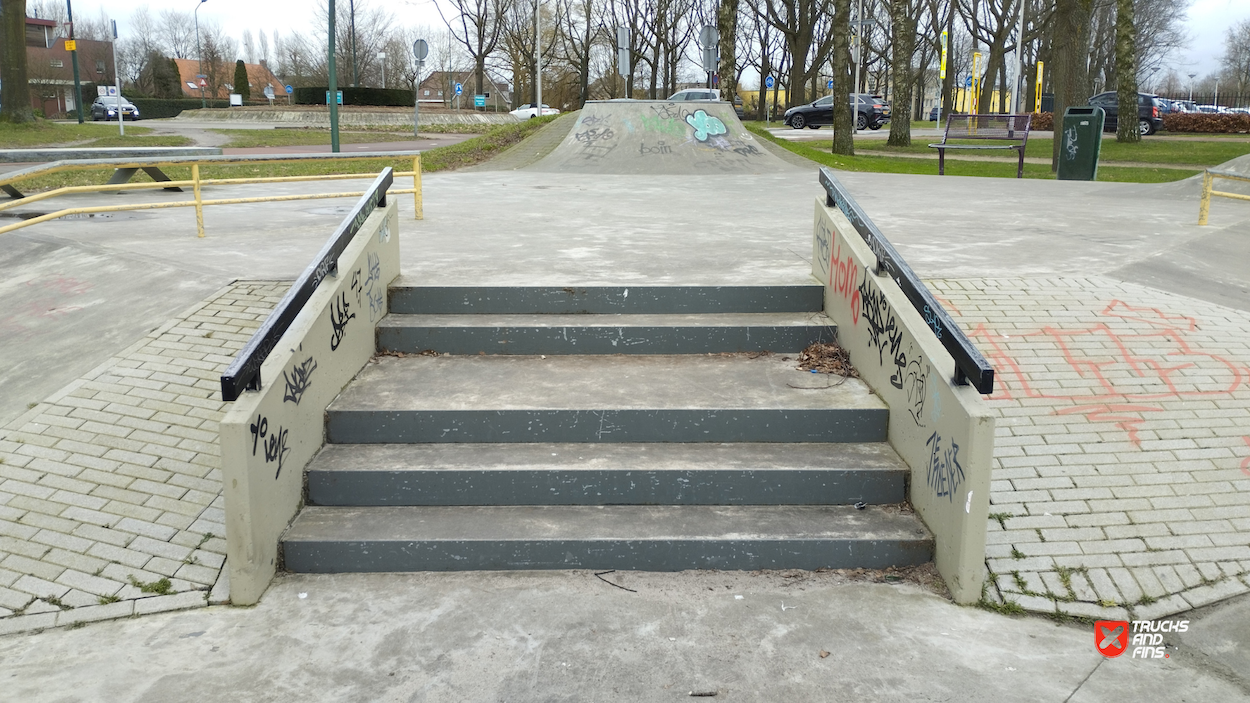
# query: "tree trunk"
[[1126, 73], [903, 29], [15, 91], [840, 58], [727, 25], [1069, 57]]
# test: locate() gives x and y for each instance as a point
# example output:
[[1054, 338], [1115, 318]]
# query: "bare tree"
[[903, 30], [578, 27], [14, 89], [249, 47], [264, 46], [841, 63], [1070, 39], [1127, 130], [478, 25], [177, 33], [796, 20], [1236, 59]]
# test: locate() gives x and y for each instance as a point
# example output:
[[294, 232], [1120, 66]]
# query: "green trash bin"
[[1080, 142]]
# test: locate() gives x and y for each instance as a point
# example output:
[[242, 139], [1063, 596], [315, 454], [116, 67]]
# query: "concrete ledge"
[[944, 431], [76, 153], [347, 118]]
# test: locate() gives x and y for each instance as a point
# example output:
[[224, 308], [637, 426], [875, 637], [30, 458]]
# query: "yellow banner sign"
[[71, 45]]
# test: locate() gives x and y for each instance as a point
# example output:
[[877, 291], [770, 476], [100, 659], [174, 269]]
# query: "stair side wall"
[[945, 432], [269, 436]]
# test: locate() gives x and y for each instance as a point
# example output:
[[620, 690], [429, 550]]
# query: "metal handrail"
[[244, 372], [1208, 182], [969, 363]]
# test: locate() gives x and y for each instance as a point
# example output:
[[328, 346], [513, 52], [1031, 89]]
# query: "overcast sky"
[[1207, 24]]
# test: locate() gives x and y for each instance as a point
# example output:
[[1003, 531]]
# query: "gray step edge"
[[406, 297]]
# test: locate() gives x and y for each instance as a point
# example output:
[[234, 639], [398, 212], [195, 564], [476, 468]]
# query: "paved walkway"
[[1121, 477], [110, 490]]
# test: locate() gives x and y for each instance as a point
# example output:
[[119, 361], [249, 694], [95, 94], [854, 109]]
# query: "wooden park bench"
[[1011, 131]]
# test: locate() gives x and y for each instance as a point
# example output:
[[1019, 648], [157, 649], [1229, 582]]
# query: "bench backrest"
[[1014, 127]]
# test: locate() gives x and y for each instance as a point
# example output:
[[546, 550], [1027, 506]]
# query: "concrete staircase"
[[603, 428]]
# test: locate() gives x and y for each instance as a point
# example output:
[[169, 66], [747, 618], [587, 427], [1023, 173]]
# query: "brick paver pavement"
[[1121, 479], [110, 491]]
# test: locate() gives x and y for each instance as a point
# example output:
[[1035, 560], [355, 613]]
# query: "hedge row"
[[1220, 122], [1042, 121], [153, 108], [357, 96]]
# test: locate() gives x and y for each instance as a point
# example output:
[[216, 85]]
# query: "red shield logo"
[[1111, 637]]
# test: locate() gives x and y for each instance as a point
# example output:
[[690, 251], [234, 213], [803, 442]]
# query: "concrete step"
[[686, 398], [606, 474], [651, 538], [604, 334], [406, 297]]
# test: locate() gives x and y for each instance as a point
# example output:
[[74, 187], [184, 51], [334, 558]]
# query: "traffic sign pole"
[[334, 89], [769, 82]]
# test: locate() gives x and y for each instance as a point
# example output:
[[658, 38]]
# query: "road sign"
[[102, 91], [479, 101], [968, 82], [112, 90], [622, 51], [71, 45], [708, 39], [203, 83], [340, 97], [269, 92], [829, 85], [289, 90], [420, 49], [459, 88], [769, 82]]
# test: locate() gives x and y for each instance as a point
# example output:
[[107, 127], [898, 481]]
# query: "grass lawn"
[[245, 138], [466, 153], [819, 152], [45, 133], [1152, 149]]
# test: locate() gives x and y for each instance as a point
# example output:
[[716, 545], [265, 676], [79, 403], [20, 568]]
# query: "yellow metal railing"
[[1208, 178], [196, 183]]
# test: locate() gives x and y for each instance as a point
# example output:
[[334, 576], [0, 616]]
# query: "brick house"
[[222, 84], [50, 72]]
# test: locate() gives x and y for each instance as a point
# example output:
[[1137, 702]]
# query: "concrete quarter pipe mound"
[[660, 137]]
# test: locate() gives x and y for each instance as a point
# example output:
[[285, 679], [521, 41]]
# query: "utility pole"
[[355, 76], [73, 57], [333, 97]]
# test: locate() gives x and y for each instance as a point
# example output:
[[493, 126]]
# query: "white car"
[[529, 112]]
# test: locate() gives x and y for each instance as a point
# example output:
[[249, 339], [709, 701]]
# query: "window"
[[57, 63], [190, 85], [99, 67], [440, 93], [825, 101], [427, 92]]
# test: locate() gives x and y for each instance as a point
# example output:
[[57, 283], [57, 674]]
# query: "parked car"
[[529, 112], [706, 94], [933, 114], [1184, 106], [1149, 112], [105, 108], [873, 112], [1210, 109]]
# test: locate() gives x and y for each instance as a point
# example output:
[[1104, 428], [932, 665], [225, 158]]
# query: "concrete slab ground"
[[571, 636], [1013, 257]]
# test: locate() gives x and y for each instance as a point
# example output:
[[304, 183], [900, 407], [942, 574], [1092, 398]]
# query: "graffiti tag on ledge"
[[944, 472]]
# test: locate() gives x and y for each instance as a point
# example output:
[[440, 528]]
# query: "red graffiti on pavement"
[[1245, 463], [1132, 372]]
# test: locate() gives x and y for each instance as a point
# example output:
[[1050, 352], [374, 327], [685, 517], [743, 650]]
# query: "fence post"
[[199, 202], [1204, 206], [416, 187]]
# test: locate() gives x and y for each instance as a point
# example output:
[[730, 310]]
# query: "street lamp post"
[[382, 56], [199, 52], [1191, 86]]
